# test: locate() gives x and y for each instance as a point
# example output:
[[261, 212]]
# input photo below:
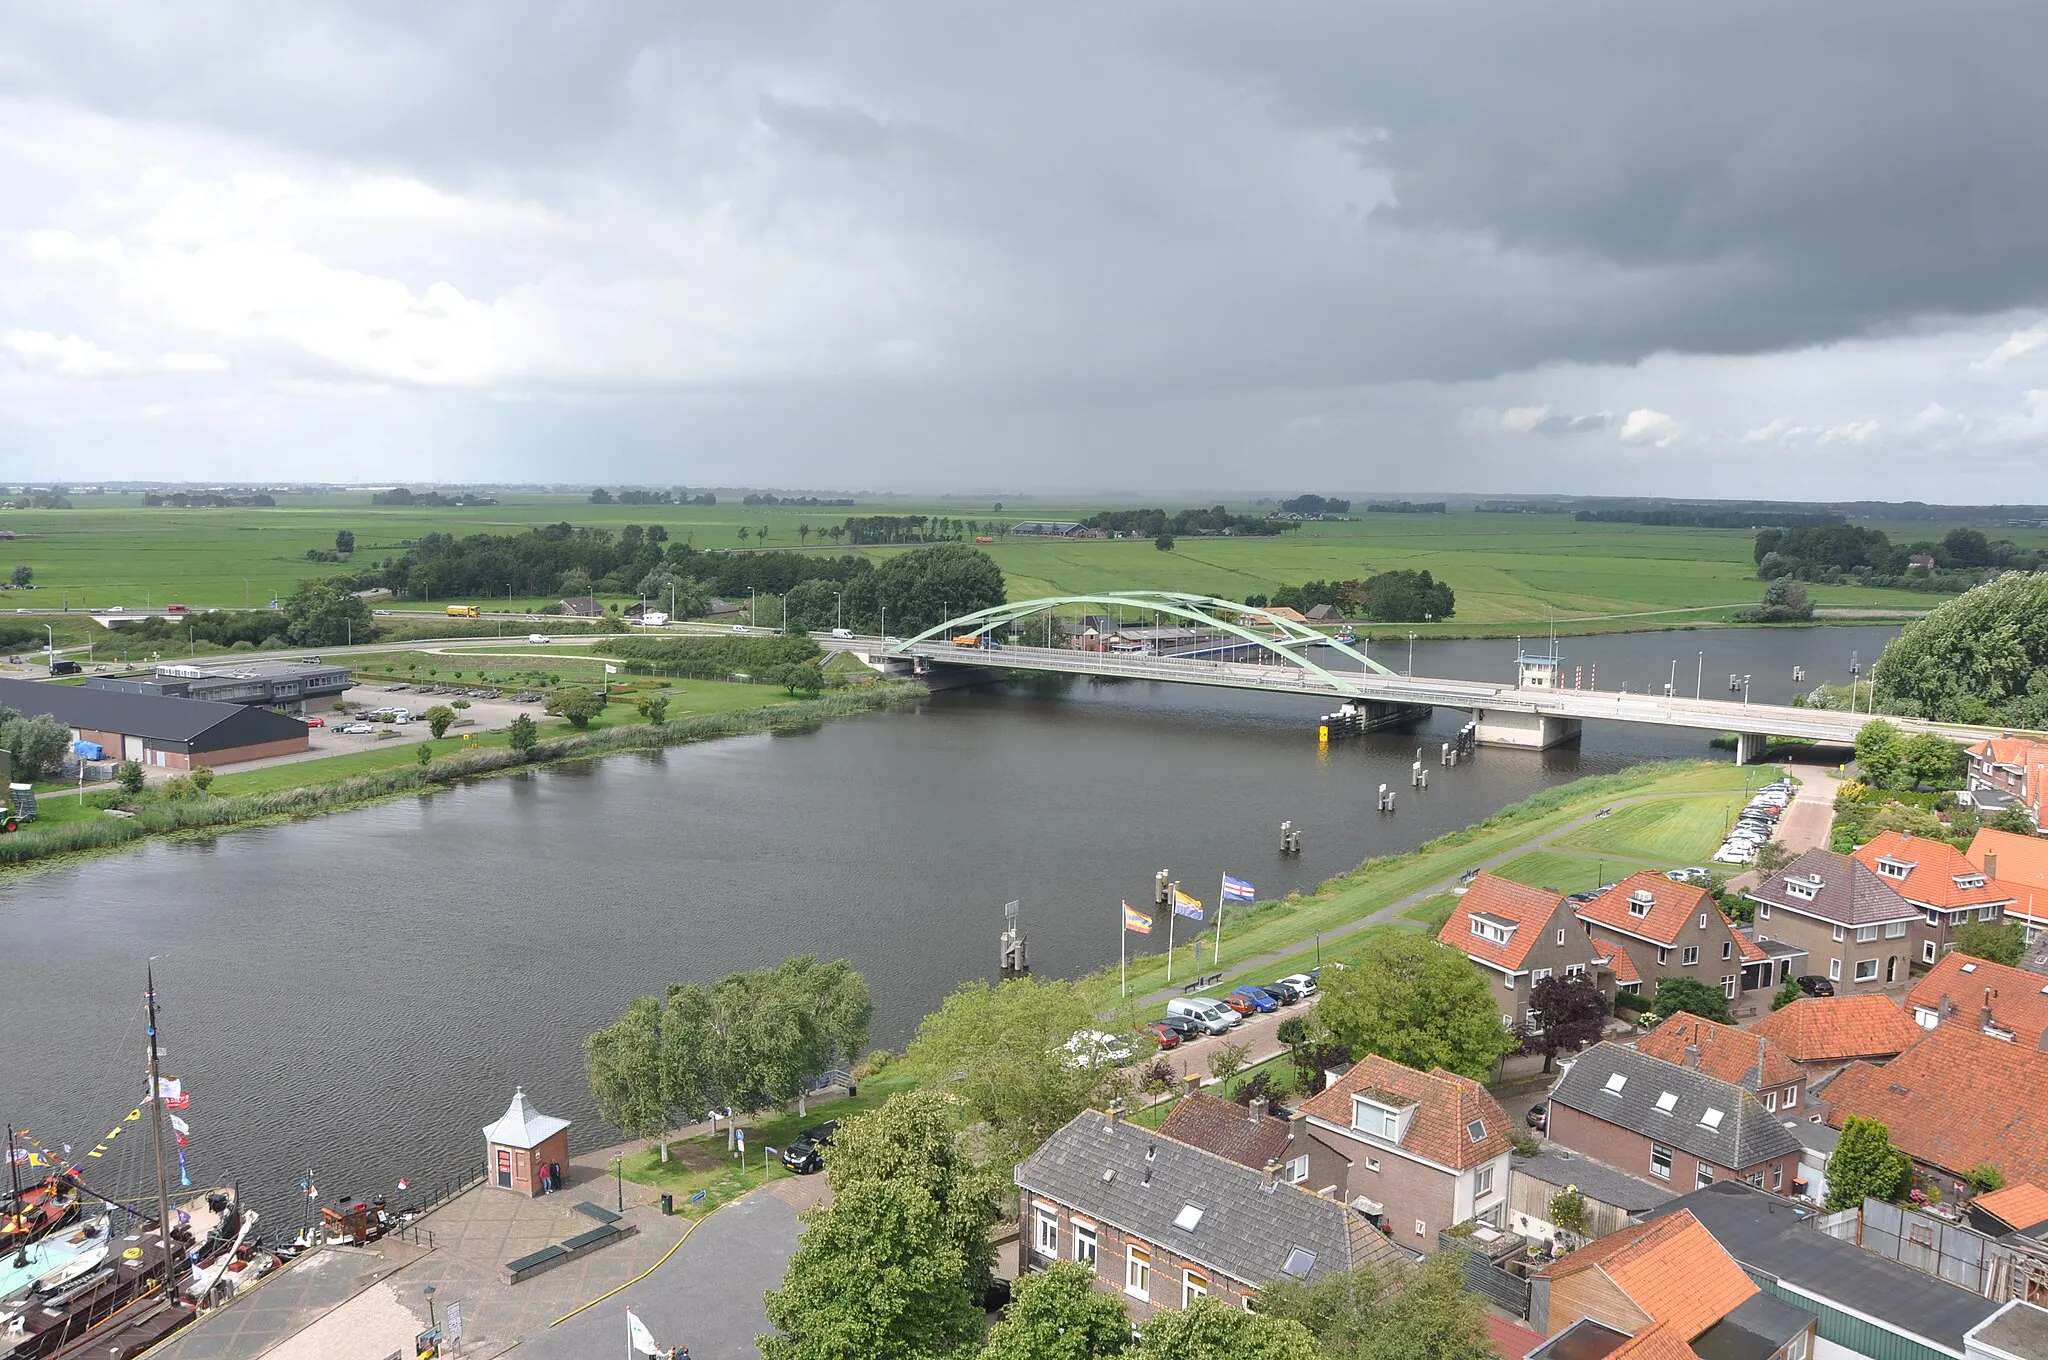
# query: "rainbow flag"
[[1136, 920]]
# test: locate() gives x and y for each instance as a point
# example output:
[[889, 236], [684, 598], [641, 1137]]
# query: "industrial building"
[[159, 730], [289, 684]]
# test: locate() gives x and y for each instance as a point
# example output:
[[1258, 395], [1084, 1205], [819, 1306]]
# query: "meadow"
[[1507, 569]]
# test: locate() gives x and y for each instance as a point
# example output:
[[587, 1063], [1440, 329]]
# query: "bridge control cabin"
[[1537, 672]]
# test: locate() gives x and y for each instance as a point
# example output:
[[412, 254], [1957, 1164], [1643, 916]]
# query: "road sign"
[[454, 1323]]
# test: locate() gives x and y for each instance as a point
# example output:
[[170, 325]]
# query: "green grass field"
[[1674, 834], [1507, 569], [1568, 873]]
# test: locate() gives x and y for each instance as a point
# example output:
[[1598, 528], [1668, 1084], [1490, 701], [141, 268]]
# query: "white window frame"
[[1795, 1349], [1560, 937], [1834, 970], [1703, 920], [1138, 1271], [1727, 949], [1763, 911], [1771, 1101], [1086, 1248], [1539, 975], [1987, 913], [1297, 1169], [1572, 970], [1871, 964], [1777, 1175], [1048, 1238], [1866, 934], [1896, 930], [1729, 986], [1689, 956], [1193, 1285], [1703, 1176], [1663, 956], [1838, 934], [1372, 1163], [1792, 1096], [1665, 1174], [1482, 1180]]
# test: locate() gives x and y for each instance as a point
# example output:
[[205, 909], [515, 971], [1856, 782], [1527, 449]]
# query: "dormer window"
[[1379, 1115], [1804, 888], [1969, 880], [1640, 901], [1894, 868], [1492, 928]]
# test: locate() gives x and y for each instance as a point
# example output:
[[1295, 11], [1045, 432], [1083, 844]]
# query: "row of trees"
[[1833, 552], [1886, 758], [746, 1042], [1979, 658], [1216, 519], [1388, 597]]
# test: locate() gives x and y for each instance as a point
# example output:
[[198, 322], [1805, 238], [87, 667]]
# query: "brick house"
[[1669, 1124], [2019, 866], [1668, 930], [1854, 923], [1519, 936], [1247, 1135], [1935, 877], [2009, 772], [1663, 1290], [1956, 1100], [1417, 1151], [1823, 1034], [1739, 1057], [2001, 1001], [1164, 1223]]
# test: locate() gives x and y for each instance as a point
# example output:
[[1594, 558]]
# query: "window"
[[1866, 970], [1377, 1120], [1297, 1170], [1666, 1103], [1421, 1228], [1895, 931], [1560, 939], [1706, 1176], [1372, 1164], [1663, 957], [1986, 913], [1835, 969], [1712, 1118], [1660, 1162], [1482, 1181], [1084, 1242], [1615, 1082], [1727, 949], [1791, 1097], [1509, 982], [1933, 917], [1048, 1232], [1138, 1272], [1538, 976], [1755, 1178], [1193, 1285], [1491, 930], [1763, 911], [1189, 1218], [1838, 934], [1506, 1022], [1535, 1018], [1476, 1130], [1865, 934], [1927, 951], [1572, 970], [1703, 920], [1795, 1349], [1771, 1101], [1691, 955], [1778, 1176]]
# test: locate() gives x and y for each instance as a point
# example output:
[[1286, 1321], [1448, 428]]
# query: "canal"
[[357, 994]]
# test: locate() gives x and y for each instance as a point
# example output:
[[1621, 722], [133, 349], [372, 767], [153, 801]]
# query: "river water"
[[357, 994]]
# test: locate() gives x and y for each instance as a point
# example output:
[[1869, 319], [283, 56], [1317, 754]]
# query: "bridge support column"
[[1749, 747], [1525, 731]]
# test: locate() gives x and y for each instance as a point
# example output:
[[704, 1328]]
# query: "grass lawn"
[[1432, 914], [1568, 873], [1675, 833]]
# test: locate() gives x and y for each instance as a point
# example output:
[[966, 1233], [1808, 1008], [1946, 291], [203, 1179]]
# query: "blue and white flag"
[[1237, 890], [1183, 905]]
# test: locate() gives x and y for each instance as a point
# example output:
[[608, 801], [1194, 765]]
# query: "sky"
[[1739, 250]]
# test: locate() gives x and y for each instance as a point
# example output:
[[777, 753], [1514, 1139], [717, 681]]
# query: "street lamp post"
[[429, 1292], [1745, 691], [1411, 652], [1699, 680]]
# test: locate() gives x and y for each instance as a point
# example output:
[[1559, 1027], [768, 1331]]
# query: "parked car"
[[381, 613], [1281, 991], [1213, 1016], [1186, 1029], [1539, 1114], [1304, 984], [1166, 1034], [1814, 985], [1260, 1002], [803, 1155], [1093, 1048], [312, 721], [358, 730]]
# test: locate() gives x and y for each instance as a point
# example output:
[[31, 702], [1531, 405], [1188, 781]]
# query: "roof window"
[[1476, 1130], [1189, 1217], [1615, 1082], [1711, 1119], [1640, 901], [1969, 968], [1666, 1103], [1299, 1263]]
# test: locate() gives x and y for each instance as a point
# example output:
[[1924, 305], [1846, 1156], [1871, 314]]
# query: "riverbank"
[[202, 813]]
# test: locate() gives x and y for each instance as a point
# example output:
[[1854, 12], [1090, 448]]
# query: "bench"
[[547, 1258], [524, 1266], [584, 1240], [602, 1215]]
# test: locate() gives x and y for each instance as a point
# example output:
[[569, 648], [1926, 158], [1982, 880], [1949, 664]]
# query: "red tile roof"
[[1751, 951], [1446, 1105], [2030, 758], [1510, 1340], [2016, 1206], [1931, 882], [1673, 907], [1623, 966], [1526, 910], [2022, 868], [1741, 1057], [1671, 1268], [1955, 1100], [1228, 1129], [2016, 997], [1816, 1029]]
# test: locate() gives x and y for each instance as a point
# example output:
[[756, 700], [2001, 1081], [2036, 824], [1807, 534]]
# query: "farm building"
[[159, 730]]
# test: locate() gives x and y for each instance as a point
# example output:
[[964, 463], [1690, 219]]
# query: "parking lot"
[[482, 715]]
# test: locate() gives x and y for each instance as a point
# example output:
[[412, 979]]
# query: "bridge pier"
[[1371, 715], [1524, 731], [1749, 747]]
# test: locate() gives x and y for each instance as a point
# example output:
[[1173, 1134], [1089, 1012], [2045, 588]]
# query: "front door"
[[1891, 969], [505, 1167]]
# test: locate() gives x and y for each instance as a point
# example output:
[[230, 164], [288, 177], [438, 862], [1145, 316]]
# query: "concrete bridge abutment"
[[1749, 747], [1524, 731]]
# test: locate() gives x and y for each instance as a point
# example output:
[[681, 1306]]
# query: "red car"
[[314, 722], [1243, 1005], [1166, 1034]]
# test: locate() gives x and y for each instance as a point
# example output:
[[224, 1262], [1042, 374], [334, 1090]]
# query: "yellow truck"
[[464, 611]]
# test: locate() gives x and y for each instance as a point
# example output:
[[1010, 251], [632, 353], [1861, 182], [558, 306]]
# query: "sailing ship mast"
[[156, 1123]]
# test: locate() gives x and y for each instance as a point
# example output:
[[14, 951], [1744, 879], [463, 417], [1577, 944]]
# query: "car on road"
[[538, 637], [1166, 1034], [381, 613], [1093, 1048], [739, 628], [1240, 1004], [313, 721], [358, 730], [1261, 1002], [1539, 1115], [844, 634], [804, 1153], [1815, 985], [24, 611]]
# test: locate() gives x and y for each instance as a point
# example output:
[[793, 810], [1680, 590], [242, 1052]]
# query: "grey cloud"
[[838, 130], [1560, 424]]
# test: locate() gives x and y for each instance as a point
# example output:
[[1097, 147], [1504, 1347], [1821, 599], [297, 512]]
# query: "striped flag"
[[1136, 920], [1238, 890], [1183, 905]]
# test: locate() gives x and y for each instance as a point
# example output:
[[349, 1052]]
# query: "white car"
[[538, 637], [358, 729], [1093, 1048], [381, 613], [739, 628]]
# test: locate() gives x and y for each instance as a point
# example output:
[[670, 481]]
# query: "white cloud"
[[1850, 432], [2015, 346], [1934, 418], [2031, 423], [1645, 426], [1514, 420], [1777, 431]]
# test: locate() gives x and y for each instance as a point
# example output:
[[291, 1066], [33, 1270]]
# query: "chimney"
[[1259, 1106], [1991, 864], [1193, 1082], [1116, 1113], [1692, 1056], [1269, 1175], [1984, 1020], [1297, 1122]]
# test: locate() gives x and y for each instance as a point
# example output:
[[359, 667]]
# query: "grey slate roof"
[[1595, 1180], [1247, 1231], [1756, 1330], [198, 723], [1851, 893], [1813, 1136], [1772, 1238], [1746, 1135]]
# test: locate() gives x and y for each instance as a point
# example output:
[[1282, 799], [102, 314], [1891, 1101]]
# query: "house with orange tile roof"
[[1667, 929], [2009, 772], [1936, 878], [1517, 936], [1739, 1057], [2019, 866], [1955, 1101], [1416, 1152], [1824, 1033], [1999, 1000], [2021, 1208], [1662, 1290]]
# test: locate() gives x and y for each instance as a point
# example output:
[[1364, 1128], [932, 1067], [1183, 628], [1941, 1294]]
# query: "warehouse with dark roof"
[[156, 730]]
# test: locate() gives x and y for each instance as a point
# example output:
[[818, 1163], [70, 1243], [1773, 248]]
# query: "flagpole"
[[1172, 910], [1218, 960], [1123, 967]]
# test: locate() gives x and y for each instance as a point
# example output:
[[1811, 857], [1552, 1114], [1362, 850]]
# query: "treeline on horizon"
[[1834, 554]]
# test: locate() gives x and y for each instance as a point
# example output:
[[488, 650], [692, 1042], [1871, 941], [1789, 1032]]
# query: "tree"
[[1407, 597], [1393, 1311], [654, 708], [874, 1274], [1984, 1178], [344, 541], [624, 1061], [1865, 1165], [1880, 753], [1675, 994], [1569, 1013], [1786, 994], [1059, 1314], [1227, 1061], [1418, 1003], [36, 745], [1771, 856], [578, 705], [1981, 657], [806, 678], [1784, 601], [999, 1048], [1213, 1330], [523, 735], [1568, 1213], [776, 1030], [439, 718], [1933, 760], [2013, 819], [323, 613], [202, 777], [1164, 543], [1998, 941], [129, 775], [22, 577], [913, 1137]]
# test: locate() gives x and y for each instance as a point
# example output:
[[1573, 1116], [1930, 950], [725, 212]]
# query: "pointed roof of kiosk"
[[522, 1126]]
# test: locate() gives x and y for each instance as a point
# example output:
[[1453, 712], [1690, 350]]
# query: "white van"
[[846, 633], [538, 637], [1213, 1016]]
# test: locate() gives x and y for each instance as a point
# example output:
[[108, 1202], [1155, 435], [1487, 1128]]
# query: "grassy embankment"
[[1508, 570]]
